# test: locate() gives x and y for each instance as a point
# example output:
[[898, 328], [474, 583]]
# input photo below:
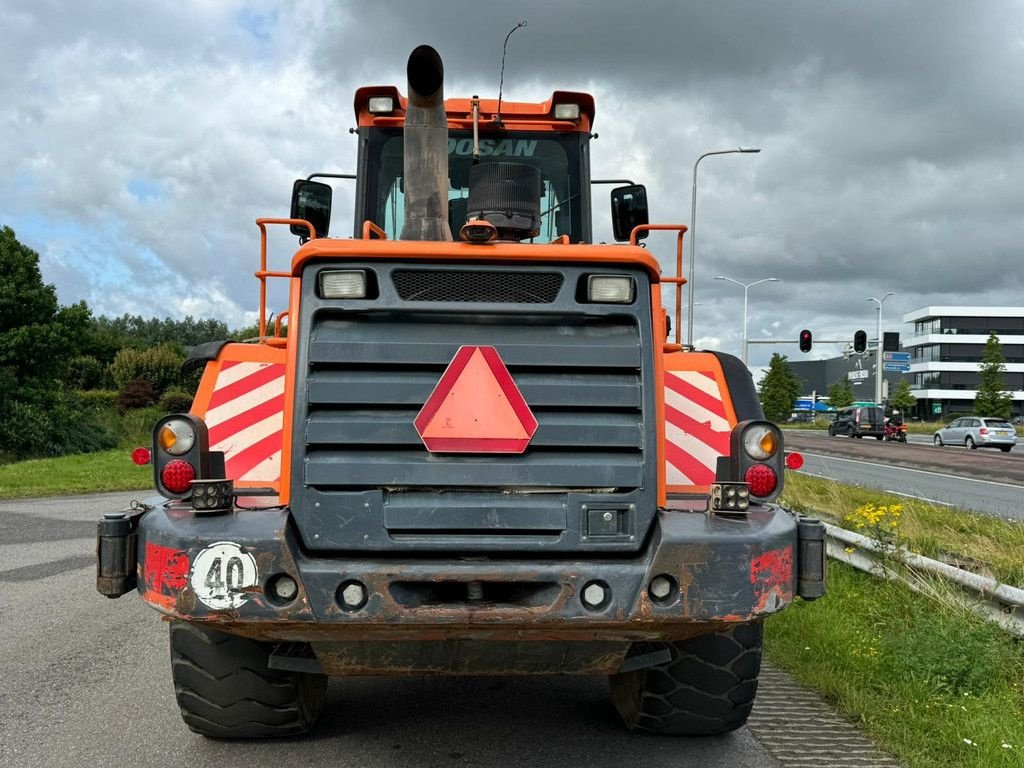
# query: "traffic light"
[[805, 340], [891, 341], [860, 341]]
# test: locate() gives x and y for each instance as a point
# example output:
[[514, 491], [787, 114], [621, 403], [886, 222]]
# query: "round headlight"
[[760, 441], [177, 436]]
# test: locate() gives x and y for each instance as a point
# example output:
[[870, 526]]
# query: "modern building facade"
[[817, 376], [946, 345]]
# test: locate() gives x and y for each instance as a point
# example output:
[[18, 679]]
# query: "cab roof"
[[515, 115]]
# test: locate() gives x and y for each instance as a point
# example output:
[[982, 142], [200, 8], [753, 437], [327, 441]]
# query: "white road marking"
[[918, 471], [919, 498]]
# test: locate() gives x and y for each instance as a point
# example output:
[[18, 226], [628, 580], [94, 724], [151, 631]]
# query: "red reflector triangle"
[[476, 407]]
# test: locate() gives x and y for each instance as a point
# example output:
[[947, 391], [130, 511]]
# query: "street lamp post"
[[878, 346], [693, 233], [746, 287]]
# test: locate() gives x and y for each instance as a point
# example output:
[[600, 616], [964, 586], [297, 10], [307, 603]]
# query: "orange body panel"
[[698, 416], [418, 250], [241, 399]]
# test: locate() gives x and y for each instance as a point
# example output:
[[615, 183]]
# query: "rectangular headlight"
[[381, 104], [567, 111], [350, 284], [610, 289]]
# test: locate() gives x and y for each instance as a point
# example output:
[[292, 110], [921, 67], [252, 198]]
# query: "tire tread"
[[708, 687], [225, 688]]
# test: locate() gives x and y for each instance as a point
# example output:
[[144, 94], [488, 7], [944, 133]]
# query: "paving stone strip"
[[801, 730]]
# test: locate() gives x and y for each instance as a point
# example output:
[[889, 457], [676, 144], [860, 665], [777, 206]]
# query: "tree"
[[37, 340], [840, 394], [778, 389], [30, 348], [992, 399], [901, 398]]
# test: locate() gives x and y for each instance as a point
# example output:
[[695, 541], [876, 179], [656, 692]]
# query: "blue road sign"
[[896, 367], [895, 357]]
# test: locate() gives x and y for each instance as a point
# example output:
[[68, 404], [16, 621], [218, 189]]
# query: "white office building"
[[946, 346]]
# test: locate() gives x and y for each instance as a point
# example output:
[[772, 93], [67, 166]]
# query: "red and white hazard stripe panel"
[[245, 416], [696, 427]]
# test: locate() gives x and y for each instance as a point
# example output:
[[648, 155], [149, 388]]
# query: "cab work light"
[[348, 284], [610, 289], [567, 111], [381, 104]]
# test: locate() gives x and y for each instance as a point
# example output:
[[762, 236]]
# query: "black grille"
[[370, 374], [483, 287]]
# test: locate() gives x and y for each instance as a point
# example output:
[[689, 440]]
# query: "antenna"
[[501, 82]]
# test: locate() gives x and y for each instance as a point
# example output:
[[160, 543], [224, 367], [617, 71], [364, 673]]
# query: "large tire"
[[938, 440], [707, 688], [225, 689], [969, 442]]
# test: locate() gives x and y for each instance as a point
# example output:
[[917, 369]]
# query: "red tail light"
[[983, 431], [794, 460], [762, 480], [177, 476], [141, 456]]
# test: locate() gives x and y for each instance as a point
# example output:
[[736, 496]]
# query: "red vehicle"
[[895, 430]]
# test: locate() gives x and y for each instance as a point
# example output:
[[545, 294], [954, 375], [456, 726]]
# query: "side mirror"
[[311, 200], [629, 209]]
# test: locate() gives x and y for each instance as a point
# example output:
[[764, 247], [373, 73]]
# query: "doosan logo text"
[[494, 148]]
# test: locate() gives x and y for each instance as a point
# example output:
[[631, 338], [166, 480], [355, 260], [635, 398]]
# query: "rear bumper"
[[723, 570]]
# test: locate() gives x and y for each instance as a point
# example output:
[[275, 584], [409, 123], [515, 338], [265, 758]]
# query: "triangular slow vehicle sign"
[[476, 407]]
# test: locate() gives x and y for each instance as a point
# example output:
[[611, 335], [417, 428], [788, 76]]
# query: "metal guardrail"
[[996, 602]]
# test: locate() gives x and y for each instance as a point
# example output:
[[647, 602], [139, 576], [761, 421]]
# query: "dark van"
[[858, 421]]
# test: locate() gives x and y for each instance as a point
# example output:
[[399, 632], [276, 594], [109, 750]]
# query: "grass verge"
[[80, 473], [985, 545], [938, 687]]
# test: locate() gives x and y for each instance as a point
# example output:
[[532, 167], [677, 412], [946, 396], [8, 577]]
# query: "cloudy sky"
[[140, 140]]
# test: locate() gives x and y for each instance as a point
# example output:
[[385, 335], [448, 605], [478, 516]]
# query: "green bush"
[[85, 372], [175, 401], [96, 399], [29, 431], [160, 366]]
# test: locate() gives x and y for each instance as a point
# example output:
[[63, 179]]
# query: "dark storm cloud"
[[891, 135]]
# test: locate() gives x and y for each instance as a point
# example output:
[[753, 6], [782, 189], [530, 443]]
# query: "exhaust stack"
[[426, 150]]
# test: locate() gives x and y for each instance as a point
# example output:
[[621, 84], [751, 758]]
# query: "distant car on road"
[[858, 421], [978, 432]]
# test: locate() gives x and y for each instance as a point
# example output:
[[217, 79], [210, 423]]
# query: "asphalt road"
[[86, 682], [983, 480]]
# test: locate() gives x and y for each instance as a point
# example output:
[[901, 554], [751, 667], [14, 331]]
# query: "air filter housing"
[[506, 195]]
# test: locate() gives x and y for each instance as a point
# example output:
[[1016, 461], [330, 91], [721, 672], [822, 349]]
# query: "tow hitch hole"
[[527, 594]]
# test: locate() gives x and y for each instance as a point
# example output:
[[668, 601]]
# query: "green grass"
[[80, 473], [986, 545], [920, 679]]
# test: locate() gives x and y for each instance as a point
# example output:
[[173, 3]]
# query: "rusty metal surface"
[[471, 657], [727, 570]]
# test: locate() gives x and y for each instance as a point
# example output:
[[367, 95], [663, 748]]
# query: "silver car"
[[978, 432]]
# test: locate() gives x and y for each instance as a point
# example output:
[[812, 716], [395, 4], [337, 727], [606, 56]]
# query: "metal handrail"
[[263, 273], [679, 281]]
